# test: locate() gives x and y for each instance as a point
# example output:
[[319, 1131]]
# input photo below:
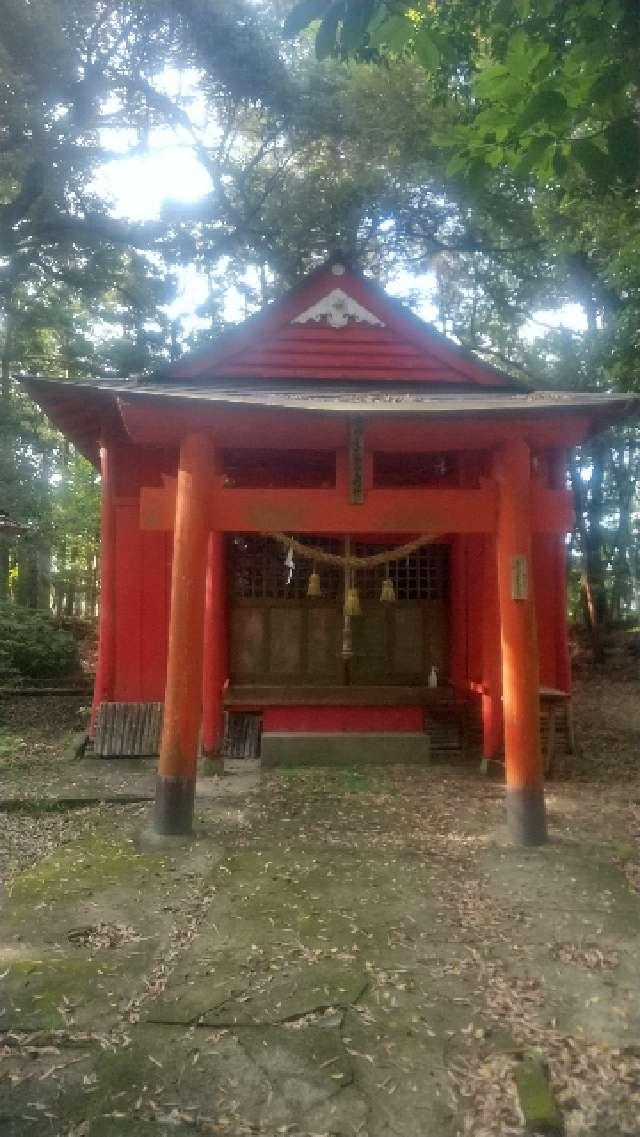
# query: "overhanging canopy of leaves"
[[541, 84]]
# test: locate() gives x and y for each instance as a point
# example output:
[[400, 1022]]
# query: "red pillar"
[[459, 614], [491, 677], [520, 682], [175, 786], [558, 462], [216, 664], [563, 654], [105, 668]]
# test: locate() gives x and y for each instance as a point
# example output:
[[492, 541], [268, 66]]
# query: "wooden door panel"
[[323, 645], [370, 634], [407, 656], [248, 643], [436, 637], [285, 641], [300, 642]]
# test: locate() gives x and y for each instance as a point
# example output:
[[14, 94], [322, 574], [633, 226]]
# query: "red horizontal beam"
[[383, 511], [327, 511]]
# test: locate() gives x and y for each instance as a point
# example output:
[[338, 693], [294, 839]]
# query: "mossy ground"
[[349, 952]]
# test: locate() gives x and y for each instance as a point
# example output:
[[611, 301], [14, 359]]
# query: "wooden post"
[[216, 665], [491, 679], [563, 654], [558, 463], [520, 681], [458, 614], [175, 786], [105, 669]]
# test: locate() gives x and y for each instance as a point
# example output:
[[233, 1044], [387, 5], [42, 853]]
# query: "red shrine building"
[[338, 520]]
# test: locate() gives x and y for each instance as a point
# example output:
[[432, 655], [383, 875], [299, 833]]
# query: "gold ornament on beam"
[[388, 592]]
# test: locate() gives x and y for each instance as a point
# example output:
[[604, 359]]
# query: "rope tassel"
[[313, 586], [388, 592], [352, 603]]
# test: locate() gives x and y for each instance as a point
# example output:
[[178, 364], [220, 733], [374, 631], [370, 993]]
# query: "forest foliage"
[[490, 149]]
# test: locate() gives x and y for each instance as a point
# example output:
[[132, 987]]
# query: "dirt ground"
[[338, 953]]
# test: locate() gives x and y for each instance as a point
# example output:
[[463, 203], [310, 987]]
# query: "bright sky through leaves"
[[139, 185]]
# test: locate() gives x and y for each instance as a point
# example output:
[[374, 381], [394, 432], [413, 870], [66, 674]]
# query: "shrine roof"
[[336, 344], [87, 410], [336, 325], [341, 399]]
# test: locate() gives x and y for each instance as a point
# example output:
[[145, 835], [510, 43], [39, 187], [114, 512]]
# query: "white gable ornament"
[[336, 309]]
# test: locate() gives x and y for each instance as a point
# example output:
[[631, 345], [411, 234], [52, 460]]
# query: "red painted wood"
[[358, 371], [520, 673], [422, 510], [271, 331], [342, 719], [563, 653], [154, 599], [458, 609], [410, 510], [183, 695], [155, 421], [140, 596], [215, 670], [545, 583], [129, 599], [557, 463], [106, 665], [492, 726], [474, 574]]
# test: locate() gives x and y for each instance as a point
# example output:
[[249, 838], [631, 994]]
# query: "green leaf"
[[328, 30], [518, 43], [611, 83], [493, 157], [394, 33], [547, 105], [524, 53], [427, 50], [623, 145], [539, 150], [593, 160], [560, 163], [488, 79], [446, 141], [545, 166], [488, 119], [354, 24], [303, 14], [458, 163]]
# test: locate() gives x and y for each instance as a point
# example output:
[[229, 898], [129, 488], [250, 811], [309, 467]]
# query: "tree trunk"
[[589, 509], [4, 567], [26, 592], [43, 552], [6, 357], [622, 583]]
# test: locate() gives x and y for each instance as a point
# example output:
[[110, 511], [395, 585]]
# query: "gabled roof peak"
[[336, 324]]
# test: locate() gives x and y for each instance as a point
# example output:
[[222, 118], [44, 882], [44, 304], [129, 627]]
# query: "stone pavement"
[[337, 954], [93, 780]]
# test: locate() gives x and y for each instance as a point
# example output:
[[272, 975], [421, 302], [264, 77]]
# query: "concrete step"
[[281, 748]]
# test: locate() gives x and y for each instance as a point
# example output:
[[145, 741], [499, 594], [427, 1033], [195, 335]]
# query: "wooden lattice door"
[[280, 637]]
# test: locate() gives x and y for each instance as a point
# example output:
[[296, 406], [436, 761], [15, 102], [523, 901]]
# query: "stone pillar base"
[[174, 805], [526, 818]]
